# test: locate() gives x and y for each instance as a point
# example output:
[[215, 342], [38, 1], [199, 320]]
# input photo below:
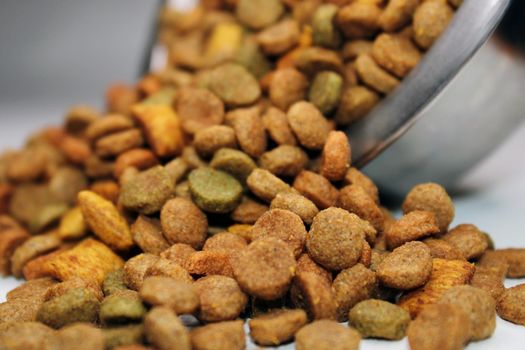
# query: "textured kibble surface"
[[326, 335], [277, 327], [214, 191]]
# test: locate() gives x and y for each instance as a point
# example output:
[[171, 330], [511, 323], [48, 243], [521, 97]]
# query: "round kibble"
[[430, 20], [336, 156], [181, 297], [213, 138], [183, 222], [356, 102], [468, 239], [297, 204], [266, 185], [234, 162], [414, 225], [249, 130], [277, 327], [358, 20], [325, 91], [198, 109], [327, 335], [257, 14], [308, 124], [280, 37], [287, 87], [395, 54], [225, 242], [511, 305], [227, 335], [234, 85], [214, 191], [277, 126], [134, 271], [165, 330], [284, 160], [316, 188]]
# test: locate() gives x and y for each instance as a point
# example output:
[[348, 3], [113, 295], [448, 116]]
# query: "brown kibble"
[[287, 87], [445, 275], [198, 109], [161, 127], [27, 165], [308, 124], [225, 242], [227, 335], [234, 85], [312, 60], [5, 195], [313, 293], [468, 239], [120, 98], [19, 310], [183, 222], [97, 168], [206, 263], [108, 189], [110, 124], [35, 268], [249, 130], [105, 221], [442, 249], [358, 20], [119, 142], [279, 38], [350, 287], [258, 14], [374, 76], [284, 160], [66, 182], [179, 296], [178, 253], [32, 248], [316, 188], [67, 338], [165, 330], [355, 177], [24, 335], [356, 102], [208, 141], [135, 269], [407, 267], [397, 14], [396, 54], [78, 118], [221, 299], [10, 239], [265, 268], [277, 126], [297, 204], [514, 257], [336, 156], [306, 264], [354, 48], [62, 288], [327, 335], [478, 305], [490, 276], [430, 20], [266, 185], [412, 226], [248, 211], [89, 260], [34, 289], [277, 327], [139, 158], [511, 305], [168, 268], [147, 234], [356, 200], [426, 331]]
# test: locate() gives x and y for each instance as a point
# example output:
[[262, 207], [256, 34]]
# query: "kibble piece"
[[478, 305], [297, 204], [356, 102], [183, 222], [511, 305], [335, 239], [62, 288], [27, 165], [352, 286], [72, 225], [308, 124], [79, 336], [468, 239], [220, 297], [445, 275], [355, 177], [19, 310], [138, 158], [414, 225], [89, 260], [287, 87], [249, 211], [316, 188], [32, 248], [205, 263], [379, 319], [407, 267], [36, 288], [359, 19], [117, 143], [225, 242], [490, 278], [10, 239], [252, 58], [430, 20], [514, 257], [24, 335], [312, 292], [336, 156], [114, 282], [110, 124], [279, 38], [209, 140], [165, 330], [177, 169], [147, 192], [324, 31], [249, 130], [77, 305], [122, 307], [258, 14], [234, 85], [135, 269], [35, 268], [178, 253], [325, 91], [442, 249], [426, 331], [168, 268], [227, 335], [66, 182], [277, 126], [181, 297], [266, 185], [198, 109], [284, 160], [265, 268], [397, 14], [327, 335], [374, 76], [214, 191], [284, 225], [277, 327], [162, 129], [354, 48], [122, 336], [233, 162], [356, 200], [147, 234], [395, 54]]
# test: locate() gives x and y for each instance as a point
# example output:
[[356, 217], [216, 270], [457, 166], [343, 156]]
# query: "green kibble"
[[147, 192], [325, 92], [122, 307], [379, 319], [114, 282], [121, 336], [214, 191], [252, 58], [234, 85], [324, 31], [77, 305], [234, 162]]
